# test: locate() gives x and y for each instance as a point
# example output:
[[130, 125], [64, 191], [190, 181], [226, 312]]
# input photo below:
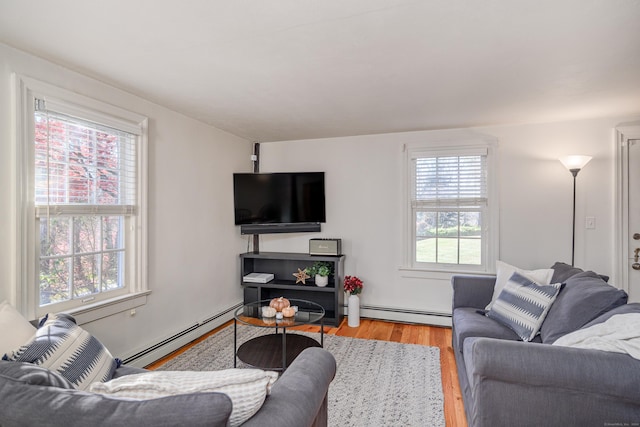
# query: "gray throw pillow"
[[584, 297], [562, 271]]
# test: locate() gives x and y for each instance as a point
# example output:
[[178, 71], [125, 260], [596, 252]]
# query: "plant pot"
[[353, 311], [322, 281]]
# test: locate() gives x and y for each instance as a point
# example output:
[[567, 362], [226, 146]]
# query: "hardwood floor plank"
[[424, 336], [406, 333], [396, 333], [381, 331], [345, 331], [410, 334]]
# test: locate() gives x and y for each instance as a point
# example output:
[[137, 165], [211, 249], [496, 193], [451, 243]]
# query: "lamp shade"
[[575, 161]]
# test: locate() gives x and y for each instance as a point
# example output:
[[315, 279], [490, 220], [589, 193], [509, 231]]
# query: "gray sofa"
[[508, 382], [31, 396]]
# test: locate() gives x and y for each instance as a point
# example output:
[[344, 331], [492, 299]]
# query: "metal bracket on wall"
[[256, 168]]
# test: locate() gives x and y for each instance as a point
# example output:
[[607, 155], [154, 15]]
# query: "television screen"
[[279, 198]]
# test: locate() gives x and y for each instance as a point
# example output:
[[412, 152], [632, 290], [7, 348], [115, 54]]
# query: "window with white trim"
[[84, 201], [450, 213]]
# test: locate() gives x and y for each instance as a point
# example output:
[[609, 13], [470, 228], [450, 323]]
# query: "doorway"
[[628, 195]]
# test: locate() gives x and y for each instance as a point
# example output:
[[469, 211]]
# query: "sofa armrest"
[[577, 386], [472, 291], [299, 396]]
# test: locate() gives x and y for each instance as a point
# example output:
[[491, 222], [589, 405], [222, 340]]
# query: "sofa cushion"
[[247, 388], [523, 305], [64, 347], [16, 330], [34, 405], [33, 374], [470, 322], [504, 272], [584, 297]]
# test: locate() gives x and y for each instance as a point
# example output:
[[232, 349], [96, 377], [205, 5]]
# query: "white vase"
[[322, 281], [354, 311]]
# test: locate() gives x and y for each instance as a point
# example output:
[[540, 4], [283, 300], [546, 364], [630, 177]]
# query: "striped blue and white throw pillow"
[[62, 346], [523, 304]]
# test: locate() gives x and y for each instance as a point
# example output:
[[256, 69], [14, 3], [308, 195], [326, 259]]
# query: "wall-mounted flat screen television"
[[279, 202]]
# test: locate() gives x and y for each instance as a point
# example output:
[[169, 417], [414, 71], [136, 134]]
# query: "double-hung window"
[[450, 208], [83, 200]]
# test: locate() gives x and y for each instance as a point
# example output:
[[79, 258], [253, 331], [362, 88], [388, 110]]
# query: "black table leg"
[[235, 340], [284, 349]]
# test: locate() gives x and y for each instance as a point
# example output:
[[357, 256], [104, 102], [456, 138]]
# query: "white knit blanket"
[[247, 388], [620, 334]]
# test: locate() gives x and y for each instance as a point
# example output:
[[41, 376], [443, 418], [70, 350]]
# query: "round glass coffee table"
[[277, 350]]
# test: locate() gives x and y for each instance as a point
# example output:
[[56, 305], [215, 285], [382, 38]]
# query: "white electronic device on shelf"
[[258, 277]]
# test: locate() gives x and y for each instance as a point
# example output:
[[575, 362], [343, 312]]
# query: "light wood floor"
[[398, 332]]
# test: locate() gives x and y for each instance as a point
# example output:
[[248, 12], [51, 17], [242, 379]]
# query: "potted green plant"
[[321, 271]]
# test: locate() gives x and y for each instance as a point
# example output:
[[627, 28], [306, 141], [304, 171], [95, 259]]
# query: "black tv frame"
[[279, 227]]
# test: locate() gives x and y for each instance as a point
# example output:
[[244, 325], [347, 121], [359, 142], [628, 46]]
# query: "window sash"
[[449, 181], [70, 262], [459, 236], [78, 162]]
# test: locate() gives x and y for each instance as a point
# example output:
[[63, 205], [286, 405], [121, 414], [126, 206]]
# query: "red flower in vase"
[[353, 285]]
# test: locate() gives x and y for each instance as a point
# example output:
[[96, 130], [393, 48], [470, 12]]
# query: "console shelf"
[[282, 265]]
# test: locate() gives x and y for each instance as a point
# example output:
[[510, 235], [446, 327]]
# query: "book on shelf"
[[258, 277]]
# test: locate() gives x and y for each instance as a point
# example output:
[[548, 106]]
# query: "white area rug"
[[378, 383]]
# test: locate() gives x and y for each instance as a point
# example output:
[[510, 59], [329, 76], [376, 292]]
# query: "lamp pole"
[[574, 172], [574, 164]]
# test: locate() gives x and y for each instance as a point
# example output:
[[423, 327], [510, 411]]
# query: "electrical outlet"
[[590, 222]]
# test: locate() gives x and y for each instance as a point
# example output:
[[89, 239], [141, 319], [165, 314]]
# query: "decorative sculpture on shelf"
[[301, 276]]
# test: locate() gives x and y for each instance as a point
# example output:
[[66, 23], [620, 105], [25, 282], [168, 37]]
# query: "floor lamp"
[[574, 164]]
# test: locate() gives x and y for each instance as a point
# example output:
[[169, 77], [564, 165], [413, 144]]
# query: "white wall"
[[365, 206], [193, 244]]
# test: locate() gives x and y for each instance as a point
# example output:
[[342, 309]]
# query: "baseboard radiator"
[[366, 311], [395, 314], [179, 335]]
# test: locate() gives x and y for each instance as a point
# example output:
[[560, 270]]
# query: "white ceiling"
[[271, 70]]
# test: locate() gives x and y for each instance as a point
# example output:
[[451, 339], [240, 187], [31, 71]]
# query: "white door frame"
[[623, 134]]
